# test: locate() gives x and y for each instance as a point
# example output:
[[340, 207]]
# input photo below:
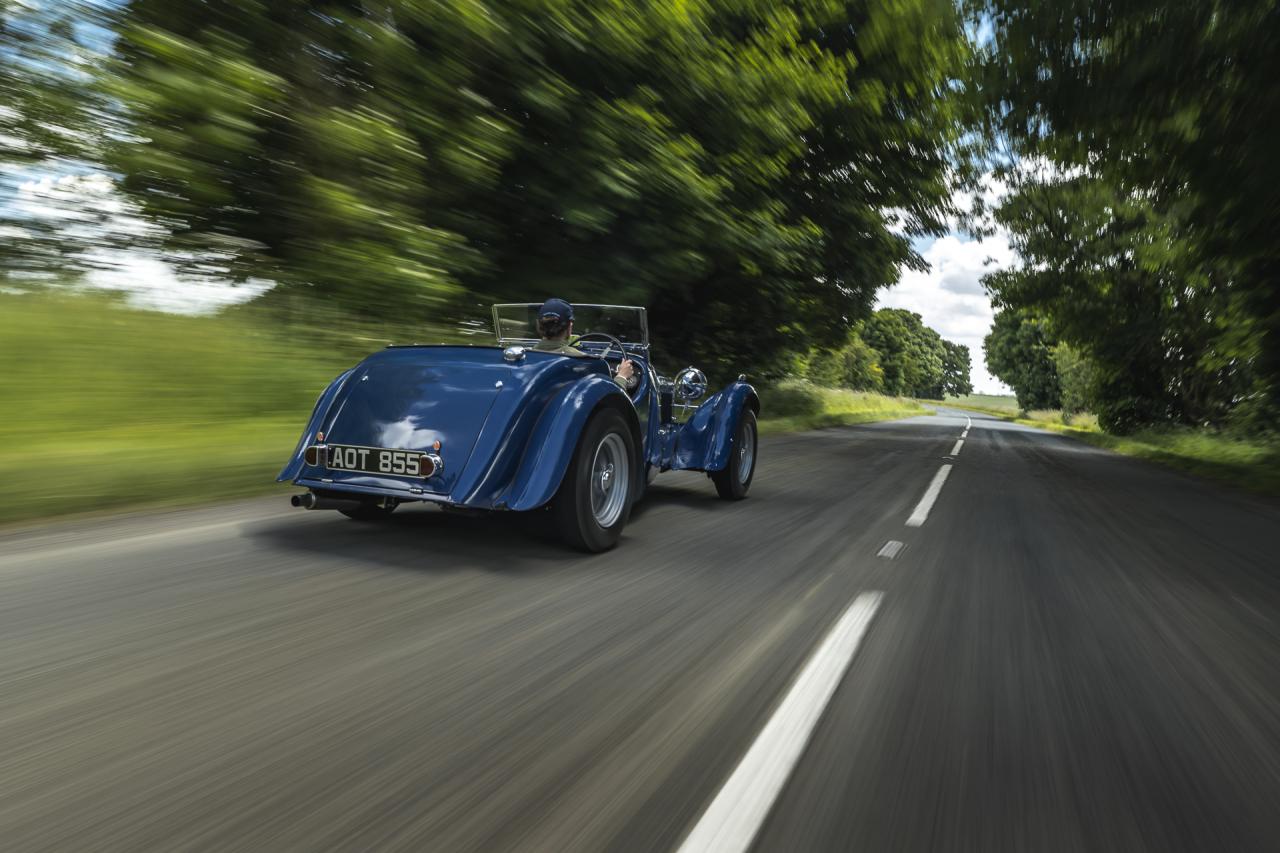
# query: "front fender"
[[555, 438], [704, 441], [294, 466]]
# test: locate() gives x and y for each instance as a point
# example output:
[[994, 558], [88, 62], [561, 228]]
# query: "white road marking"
[[965, 434], [921, 513], [955, 451], [734, 817], [891, 549], [968, 421]]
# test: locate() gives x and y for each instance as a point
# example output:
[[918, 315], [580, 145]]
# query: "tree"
[[911, 354], [730, 164], [1171, 107], [1019, 354], [955, 371], [855, 366], [1076, 377], [54, 122]]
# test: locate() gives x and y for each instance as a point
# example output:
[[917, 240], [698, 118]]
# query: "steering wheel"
[[622, 353]]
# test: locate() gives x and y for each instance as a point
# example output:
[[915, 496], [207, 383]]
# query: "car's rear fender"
[[555, 437], [294, 466], [704, 441]]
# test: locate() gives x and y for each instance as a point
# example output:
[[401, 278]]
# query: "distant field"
[[990, 402]]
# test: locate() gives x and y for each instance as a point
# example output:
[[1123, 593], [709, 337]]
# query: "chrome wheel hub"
[[610, 480]]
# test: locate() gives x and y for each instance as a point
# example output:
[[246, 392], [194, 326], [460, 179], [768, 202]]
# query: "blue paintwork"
[[508, 430], [704, 442]]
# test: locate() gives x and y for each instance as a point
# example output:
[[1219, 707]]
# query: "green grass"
[[798, 405], [107, 407], [1249, 463]]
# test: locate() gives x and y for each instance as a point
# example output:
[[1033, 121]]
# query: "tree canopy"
[[1138, 137], [752, 172]]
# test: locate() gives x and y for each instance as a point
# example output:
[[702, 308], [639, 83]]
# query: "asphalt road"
[[1073, 651]]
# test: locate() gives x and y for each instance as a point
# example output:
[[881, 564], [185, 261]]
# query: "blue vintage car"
[[508, 427]]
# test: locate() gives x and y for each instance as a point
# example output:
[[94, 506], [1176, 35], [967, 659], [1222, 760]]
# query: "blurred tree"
[[53, 122], [753, 172], [1076, 378], [855, 365], [1125, 283], [1018, 354], [1171, 105]]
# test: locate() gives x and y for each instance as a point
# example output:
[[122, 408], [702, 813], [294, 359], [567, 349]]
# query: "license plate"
[[376, 460]]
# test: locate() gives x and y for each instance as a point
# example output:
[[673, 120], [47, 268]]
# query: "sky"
[[949, 296]]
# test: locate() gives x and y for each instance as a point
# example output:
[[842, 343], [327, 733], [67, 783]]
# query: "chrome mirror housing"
[[691, 384]]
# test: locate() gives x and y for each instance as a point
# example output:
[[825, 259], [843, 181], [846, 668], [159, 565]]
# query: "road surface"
[[1063, 650]]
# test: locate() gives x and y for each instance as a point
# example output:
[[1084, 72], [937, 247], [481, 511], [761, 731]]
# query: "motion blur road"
[[1072, 651]]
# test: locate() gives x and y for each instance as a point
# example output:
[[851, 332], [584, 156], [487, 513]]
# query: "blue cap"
[[556, 308]]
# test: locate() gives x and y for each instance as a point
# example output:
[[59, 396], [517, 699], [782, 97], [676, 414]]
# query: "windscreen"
[[517, 323]]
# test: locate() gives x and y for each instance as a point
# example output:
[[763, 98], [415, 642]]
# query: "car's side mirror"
[[691, 384]]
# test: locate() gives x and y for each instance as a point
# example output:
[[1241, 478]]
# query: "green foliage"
[[955, 371], [855, 366], [1148, 225], [730, 164], [1018, 353], [912, 355], [1077, 380]]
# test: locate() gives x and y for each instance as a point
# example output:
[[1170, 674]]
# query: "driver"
[[555, 327]]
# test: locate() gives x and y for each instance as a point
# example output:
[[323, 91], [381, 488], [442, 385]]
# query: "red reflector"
[[426, 467], [312, 455]]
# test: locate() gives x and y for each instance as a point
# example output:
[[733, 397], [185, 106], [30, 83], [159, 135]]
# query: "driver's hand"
[[627, 368]]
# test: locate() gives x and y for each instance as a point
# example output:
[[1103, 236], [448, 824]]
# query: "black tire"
[[369, 511], [606, 440], [733, 481]]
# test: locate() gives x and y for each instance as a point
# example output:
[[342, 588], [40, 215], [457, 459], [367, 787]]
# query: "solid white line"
[[955, 451], [890, 549], [734, 817], [968, 421], [921, 513]]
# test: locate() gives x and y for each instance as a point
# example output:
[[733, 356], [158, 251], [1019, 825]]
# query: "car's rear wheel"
[[595, 498], [732, 482], [370, 511]]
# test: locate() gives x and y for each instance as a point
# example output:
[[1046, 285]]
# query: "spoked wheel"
[[370, 511], [595, 499], [732, 482]]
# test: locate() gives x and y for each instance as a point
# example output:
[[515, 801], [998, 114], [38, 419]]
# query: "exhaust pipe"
[[311, 501]]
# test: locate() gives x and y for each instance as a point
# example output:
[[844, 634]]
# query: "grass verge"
[[801, 406], [1250, 464]]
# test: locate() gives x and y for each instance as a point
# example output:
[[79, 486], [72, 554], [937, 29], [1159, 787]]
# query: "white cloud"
[[949, 296]]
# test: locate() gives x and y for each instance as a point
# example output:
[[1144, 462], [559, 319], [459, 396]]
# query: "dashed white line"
[[891, 549], [734, 817], [921, 513], [968, 421], [955, 451]]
